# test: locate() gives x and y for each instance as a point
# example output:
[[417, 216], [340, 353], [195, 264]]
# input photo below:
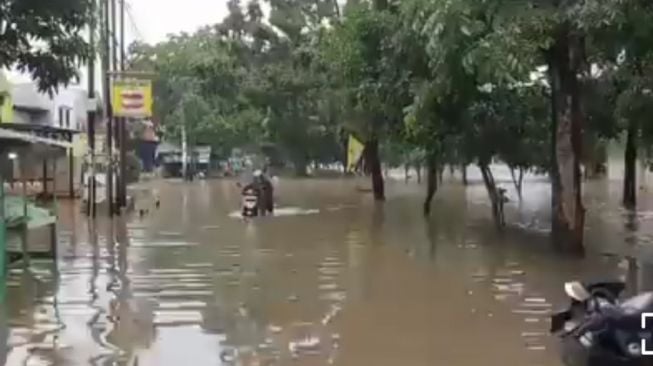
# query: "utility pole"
[[184, 144], [114, 49], [122, 128], [107, 102], [122, 36], [114, 121], [91, 205]]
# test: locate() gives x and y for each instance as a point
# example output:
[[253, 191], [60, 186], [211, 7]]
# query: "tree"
[[557, 34], [441, 82], [523, 144], [43, 38], [258, 84], [356, 51], [601, 123], [624, 54], [452, 105]]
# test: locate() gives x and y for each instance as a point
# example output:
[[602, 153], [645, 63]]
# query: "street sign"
[[132, 98]]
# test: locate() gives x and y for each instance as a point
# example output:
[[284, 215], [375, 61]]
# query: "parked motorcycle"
[[598, 329]]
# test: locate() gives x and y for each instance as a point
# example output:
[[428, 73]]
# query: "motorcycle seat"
[[639, 304]]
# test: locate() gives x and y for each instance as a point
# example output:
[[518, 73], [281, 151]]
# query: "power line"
[[132, 21]]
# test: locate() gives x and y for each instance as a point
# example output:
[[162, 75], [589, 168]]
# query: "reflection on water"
[[346, 282], [287, 211]]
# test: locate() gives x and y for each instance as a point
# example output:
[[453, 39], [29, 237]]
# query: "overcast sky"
[[152, 20]]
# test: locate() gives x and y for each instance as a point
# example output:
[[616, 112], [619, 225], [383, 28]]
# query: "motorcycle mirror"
[[577, 291]]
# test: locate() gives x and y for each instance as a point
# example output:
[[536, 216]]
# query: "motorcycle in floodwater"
[[250, 201], [598, 329], [257, 200]]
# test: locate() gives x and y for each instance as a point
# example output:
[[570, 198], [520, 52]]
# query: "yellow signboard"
[[354, 152], [132, 98], [6, 107]]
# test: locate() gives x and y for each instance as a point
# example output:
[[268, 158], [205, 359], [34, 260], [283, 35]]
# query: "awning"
[[8, 134]]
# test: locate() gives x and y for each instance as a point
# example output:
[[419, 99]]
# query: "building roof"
[[39, 129], [27, 96], [8, 136]]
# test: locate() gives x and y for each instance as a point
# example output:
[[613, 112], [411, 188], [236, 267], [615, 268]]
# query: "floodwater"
[[334, 279]]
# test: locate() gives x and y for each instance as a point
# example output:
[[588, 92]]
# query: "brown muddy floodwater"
[[332, 280]]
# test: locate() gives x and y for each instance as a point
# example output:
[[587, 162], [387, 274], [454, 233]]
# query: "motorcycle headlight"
[[586, 339], [634, 349]]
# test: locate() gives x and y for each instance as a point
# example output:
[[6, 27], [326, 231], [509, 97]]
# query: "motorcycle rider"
[[264, 189], [266, 192]]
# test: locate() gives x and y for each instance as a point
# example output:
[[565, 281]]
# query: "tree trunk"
[[431, 183], [594, 156], [517, 180], [374, 164], [406, 172], [495, 198], [520, 181], [300, 163], [464, 173], [568, 213], [418, 171], [365, 162], [336, 8], [630, 173]]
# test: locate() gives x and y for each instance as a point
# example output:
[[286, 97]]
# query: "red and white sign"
[[132, 98]]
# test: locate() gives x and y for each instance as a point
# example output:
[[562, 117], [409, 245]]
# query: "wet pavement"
[[332, 279]]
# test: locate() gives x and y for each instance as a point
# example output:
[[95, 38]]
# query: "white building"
[[66, 109], [63, 110]]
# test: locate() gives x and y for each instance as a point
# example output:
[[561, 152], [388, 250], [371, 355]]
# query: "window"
[[64, 117], [61, 112]]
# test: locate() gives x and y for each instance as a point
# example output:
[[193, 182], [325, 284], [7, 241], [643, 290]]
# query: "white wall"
[[71, 98]]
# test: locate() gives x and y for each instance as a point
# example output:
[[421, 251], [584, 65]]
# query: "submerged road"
[[332, 279]]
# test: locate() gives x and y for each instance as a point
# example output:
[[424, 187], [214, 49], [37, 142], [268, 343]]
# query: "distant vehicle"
[[600, 330]]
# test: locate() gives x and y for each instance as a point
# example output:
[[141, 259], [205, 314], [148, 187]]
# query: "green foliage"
[[460, 80], [43, 38], [474, 101], [360, 59], [251, 83]]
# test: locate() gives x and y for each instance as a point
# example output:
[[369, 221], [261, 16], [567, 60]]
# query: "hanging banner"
[[132, 98], [354, 152]]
